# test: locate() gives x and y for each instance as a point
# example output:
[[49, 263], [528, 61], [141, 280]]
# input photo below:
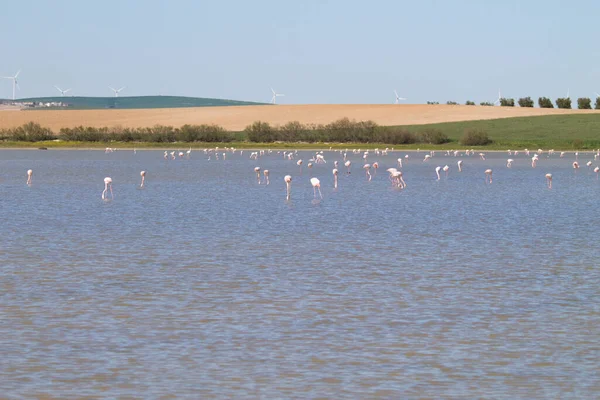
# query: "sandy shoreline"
[[236, 118]]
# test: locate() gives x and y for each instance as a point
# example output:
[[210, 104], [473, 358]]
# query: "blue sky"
[[313, 51]]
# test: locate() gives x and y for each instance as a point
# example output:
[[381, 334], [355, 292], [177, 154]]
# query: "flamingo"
[[316, 184], [509, 162], [459, 163], [266, 174], [143, 175], [534, 160], [107, 186], [29, 174], [375, 167], [288, 186], [589, 163], [335, 164], [189, 152], [549, 180], [299, 163], [575, 165], [482, 156], [446, 169], [488, 175], [367, 168], [257, 170], [399, 162], [335, 178], [597, 170], [166, 155], [427, 157], [348, 164], [437, 172], [562, 154]]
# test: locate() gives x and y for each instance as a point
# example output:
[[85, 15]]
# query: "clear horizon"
[[316, 52]]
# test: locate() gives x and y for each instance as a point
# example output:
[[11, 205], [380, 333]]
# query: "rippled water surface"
[[205, 284]]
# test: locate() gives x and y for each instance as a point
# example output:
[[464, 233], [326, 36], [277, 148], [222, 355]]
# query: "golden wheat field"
[[236, 118]]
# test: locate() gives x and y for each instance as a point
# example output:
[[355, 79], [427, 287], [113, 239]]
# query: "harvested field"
[[236, 118]]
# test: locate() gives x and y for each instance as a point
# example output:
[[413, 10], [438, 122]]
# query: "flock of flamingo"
[[395, 173]]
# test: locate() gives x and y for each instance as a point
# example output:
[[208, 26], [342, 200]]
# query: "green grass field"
[[134, 102], [553, 131]]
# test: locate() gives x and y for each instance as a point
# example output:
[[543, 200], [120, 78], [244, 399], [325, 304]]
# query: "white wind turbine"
[[117, 91], [62, 91], [15, 83], [499, 97], [398, 98], [275, 95]]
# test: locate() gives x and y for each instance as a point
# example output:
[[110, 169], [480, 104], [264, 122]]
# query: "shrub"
[[486, 103], [584, 103], [203, 133], [525, 102], [475, 137], [260, 132], [545, 102], [395, 135], [563, 102], [507, 102], [433, 102], [434, 136], [30, 132], [292, 131], [470, 103], [451, 103]]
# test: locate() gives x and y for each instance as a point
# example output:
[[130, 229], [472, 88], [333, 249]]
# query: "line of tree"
[[340, 131], [583, 103]]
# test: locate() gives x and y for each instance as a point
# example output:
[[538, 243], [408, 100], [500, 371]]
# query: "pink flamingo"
[[107, 186], [437, 172], [288, 186], [375, 167], [257, 170], [488, 176], [446, 169], [335, 178], [266, 174], [549, 180], [597, 171], [299, 163], [575, 165], [348, 164], [143, 175], [29, 174], [459, 163], [399, 163], [367, 168], [509, 162], [316, 184], [482, 156]]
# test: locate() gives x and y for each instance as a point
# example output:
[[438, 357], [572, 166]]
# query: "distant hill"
[[135, 102]]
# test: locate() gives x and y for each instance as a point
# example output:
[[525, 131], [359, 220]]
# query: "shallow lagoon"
[[206, 284]]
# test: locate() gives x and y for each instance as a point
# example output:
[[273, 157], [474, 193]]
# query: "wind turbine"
[[499, 97], [398, 98], [275, 95], [62, 91], [15, 83], [117, 90]]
